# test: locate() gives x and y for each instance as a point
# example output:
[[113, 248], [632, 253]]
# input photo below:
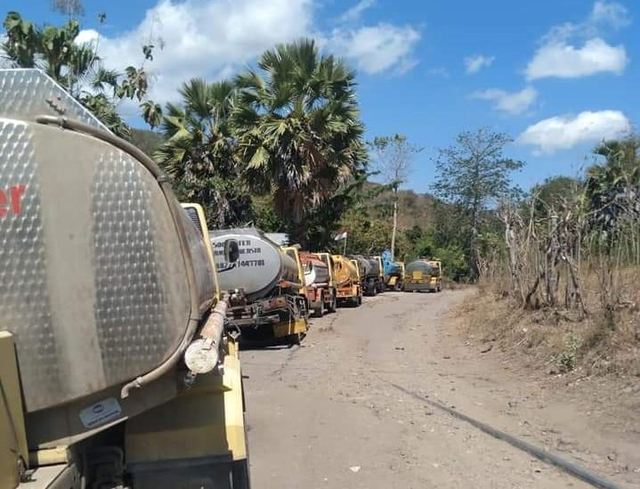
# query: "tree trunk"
[[395, 223], [298, 235]]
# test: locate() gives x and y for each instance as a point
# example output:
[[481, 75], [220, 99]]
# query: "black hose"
[[569, 467]]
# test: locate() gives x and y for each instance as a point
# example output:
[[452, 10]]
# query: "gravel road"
[[326, 415]]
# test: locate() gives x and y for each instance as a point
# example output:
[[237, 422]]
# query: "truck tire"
[[359, 300], [294, 339]]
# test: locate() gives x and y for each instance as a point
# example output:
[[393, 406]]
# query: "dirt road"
[[326, 415]]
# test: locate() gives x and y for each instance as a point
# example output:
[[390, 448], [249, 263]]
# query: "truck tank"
[[344, 271], [315, 270], [261, 267], [104, 276], [368, 266], [390, 267], [421, 266]]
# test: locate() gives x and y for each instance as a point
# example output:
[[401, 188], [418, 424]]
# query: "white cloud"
[[203, 38], [611, 13], [561, 60], [574, 50], [216, 38], [356, 11], [87, 36], [511, 103], [565, 132], [439, 71], [475, 63], [377, 48]]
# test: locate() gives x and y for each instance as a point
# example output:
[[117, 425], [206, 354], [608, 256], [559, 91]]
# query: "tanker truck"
[[266, 286], [393, 272], [318, 278], [115, 366], [423, 275], [371, 274], [347, 279]]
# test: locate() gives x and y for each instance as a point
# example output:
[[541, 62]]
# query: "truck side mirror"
[[231, 251]]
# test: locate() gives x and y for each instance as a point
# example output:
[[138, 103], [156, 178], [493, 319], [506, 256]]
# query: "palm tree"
[[613, 188], [199, 152], [298, 129], [77, 67]]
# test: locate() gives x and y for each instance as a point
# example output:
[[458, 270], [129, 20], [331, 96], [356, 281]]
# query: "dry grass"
[[557, 340]]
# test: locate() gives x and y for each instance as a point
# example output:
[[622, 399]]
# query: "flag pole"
[[344, 249]]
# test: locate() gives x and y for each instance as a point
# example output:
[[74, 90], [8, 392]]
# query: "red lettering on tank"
[[17, 191], [12, 197], [3, 204]]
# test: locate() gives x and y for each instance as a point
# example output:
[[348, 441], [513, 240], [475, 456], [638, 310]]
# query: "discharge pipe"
[[203, 354]]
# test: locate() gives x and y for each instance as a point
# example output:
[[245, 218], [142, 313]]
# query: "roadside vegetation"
[[281, 146], [564, 284]]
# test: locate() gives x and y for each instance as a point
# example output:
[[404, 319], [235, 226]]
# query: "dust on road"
[[324, 415]]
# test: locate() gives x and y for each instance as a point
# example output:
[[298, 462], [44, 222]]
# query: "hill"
[[414, 208]]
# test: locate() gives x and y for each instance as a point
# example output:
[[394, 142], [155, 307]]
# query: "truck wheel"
[[359, 301], [294, 339], [398, 286]]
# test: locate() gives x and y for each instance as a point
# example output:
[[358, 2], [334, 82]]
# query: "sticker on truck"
[[100, 413]]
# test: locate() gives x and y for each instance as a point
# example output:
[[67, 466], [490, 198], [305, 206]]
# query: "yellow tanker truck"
[[348, 281], [115, 366]]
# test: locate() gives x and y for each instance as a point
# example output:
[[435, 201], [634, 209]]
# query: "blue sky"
[[555, 75]]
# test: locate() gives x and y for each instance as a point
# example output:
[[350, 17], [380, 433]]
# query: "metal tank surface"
[[315, 270], [94, 263], [261, 266], [345, 272], [390, 267], [420, 266], [368, 266]]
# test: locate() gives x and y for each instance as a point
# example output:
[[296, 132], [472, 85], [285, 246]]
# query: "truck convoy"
[[393, 272], [347, 280], [423, 275], [115, 366], [318, 279], [266, 285]]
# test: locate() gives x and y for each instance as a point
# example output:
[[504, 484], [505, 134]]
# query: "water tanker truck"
[[371, 274], [266, 285], [393, 272], [318, 277], [347, 280], [115, 366], [423, 275]]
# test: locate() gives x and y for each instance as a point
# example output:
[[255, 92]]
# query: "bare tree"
[[71, 8], [393, 157]]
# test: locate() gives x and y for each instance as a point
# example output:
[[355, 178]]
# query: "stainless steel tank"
[[261, 266], [95, 254]]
